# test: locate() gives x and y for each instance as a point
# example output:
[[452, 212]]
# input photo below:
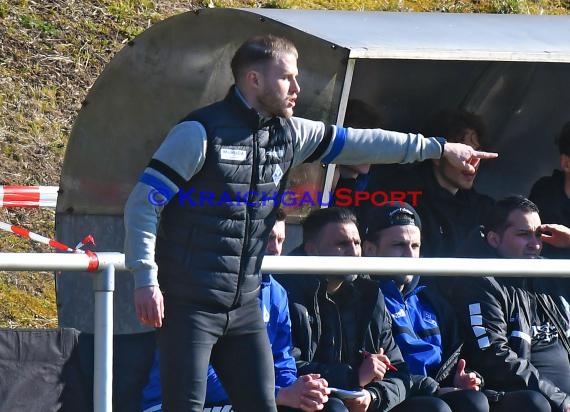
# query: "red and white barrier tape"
[[20, 231], [28, 196], [44, 197]]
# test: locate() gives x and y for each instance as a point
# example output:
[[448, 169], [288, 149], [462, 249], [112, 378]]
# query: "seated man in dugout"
[[341, 329], [423, 322], [448, 205], [552, 194], [516, 327]]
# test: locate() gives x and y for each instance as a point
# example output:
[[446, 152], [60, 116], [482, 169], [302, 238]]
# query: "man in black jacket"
[[552, 194], [340, 326], [443, 194], [516, 328]]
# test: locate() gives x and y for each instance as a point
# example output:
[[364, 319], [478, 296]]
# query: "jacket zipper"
[[338, 333], [254, 177], [317, 323]]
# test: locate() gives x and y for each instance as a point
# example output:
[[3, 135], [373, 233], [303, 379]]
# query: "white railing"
[[103, 266], [333, 265], [108, 262]]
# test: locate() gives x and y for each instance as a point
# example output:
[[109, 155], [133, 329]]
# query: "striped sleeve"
[[382, 146], [180, 156], [314, 141]]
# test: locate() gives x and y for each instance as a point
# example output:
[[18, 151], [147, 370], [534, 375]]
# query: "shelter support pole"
[[329, 174], [104, 287]]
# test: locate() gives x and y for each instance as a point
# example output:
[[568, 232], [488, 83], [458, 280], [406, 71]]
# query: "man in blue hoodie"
[[307, 393], [423, 323]]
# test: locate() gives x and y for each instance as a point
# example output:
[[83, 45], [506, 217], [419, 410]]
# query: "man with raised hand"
[[552, 193], [517, 327]]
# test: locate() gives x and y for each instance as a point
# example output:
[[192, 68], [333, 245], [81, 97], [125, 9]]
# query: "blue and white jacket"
[[275, 309], [425, 329]]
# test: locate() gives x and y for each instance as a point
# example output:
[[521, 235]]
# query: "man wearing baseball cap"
[[424, 325]]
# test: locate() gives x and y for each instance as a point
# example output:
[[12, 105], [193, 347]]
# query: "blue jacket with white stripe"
[[425, 328]]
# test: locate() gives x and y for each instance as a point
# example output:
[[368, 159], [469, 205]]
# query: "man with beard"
[[516, 327], [207, 202], [424, 323], [340, 326]]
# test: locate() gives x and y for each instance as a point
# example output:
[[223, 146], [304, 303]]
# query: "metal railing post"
[[104, 286]]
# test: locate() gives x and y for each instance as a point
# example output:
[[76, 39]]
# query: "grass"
[[28, 300], [51, 52]]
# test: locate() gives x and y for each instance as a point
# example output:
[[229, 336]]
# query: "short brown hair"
[[497, 217], [260, 49]]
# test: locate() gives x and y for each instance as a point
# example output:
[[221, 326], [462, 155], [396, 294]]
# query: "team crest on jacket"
[[277, 175], [430, 318], [545, 333], [275, 153]]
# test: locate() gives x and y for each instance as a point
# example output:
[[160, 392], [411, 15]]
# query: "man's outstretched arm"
[[348, 146]]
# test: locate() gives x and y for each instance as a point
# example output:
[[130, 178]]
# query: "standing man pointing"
[[208, 251]]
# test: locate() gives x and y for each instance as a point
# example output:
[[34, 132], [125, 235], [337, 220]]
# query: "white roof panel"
[[441, 36]]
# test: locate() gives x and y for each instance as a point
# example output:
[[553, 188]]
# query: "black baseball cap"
[[382, 217]]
